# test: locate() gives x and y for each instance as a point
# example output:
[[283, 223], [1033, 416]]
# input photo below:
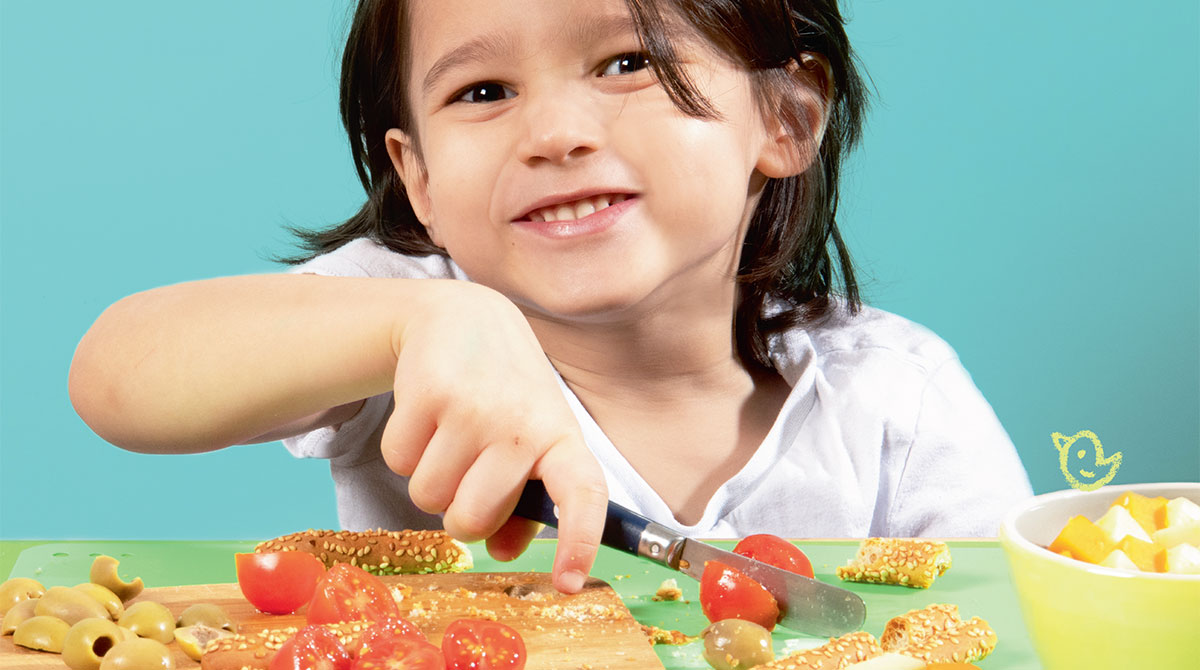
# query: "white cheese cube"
[[1183, 559], [1118, 559], [1180, 533], [1117, 522], [1182, 510]]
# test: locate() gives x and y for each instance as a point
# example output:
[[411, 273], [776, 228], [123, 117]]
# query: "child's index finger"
[[576, 485]]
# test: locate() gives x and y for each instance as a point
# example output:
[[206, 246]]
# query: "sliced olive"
[[69, 605], [16, 614], [150, 619], [733, 644], [193, 639], [207, 614], [139, 654], [88, 641], [103, 595], [17, 589], [104, 573], [44, 633]]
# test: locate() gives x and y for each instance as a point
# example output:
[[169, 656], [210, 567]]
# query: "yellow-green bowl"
[[1087, 616]]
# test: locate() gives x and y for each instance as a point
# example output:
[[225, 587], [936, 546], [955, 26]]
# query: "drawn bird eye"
[[1081, 453]]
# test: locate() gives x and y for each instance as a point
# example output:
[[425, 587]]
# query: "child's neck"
[[676, 402]]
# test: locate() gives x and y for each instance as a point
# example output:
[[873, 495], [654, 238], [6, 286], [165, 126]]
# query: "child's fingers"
[[576, 485], [488, 491], [405, 435], [436, 481], [513, 538]]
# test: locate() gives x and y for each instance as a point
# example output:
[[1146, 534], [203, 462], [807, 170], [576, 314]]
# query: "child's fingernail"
[[572, 581]]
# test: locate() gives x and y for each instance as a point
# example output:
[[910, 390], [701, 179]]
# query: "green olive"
[[69, 605], [193, 639], [104, 573], [207, 614], [139, 654], [150, 619], [101, 594], [733, 644], [88, 641], [17, 589], [16, 614], [44, 633]]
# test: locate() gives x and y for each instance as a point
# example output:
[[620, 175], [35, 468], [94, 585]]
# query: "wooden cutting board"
[[590, 630]]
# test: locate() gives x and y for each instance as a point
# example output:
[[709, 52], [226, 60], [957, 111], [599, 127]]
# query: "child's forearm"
[[204, 365]]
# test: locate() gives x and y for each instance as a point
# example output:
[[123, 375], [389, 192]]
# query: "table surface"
[[979, 583]]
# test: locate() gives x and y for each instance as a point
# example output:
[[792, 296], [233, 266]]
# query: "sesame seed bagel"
[[912, 562], [380, 552]]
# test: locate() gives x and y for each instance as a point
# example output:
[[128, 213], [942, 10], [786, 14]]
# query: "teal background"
[[1029, 188]]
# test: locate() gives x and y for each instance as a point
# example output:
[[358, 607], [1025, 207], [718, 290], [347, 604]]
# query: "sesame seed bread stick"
[[379, 552], [836, 654], [912, 562]]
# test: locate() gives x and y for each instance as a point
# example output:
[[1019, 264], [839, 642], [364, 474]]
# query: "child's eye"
[[484, 92], [626, 63]]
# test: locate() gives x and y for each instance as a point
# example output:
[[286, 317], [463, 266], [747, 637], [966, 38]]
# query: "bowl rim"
[[1008, 530]]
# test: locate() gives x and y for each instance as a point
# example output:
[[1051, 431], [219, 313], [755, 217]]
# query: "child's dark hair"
[[792, 245]]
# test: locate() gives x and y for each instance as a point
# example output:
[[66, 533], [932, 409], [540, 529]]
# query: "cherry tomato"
[[349, 593], [478, 644], [278, 582], [402, 653], [380, 637], [775, 551], [726, 593], [312, 648]]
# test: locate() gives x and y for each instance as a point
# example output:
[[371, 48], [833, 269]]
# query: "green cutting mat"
[[978, 583]]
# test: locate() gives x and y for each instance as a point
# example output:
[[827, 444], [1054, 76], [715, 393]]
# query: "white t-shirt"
[[883, 434]]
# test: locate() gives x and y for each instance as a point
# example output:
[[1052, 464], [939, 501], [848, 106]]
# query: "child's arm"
[[204, 365]]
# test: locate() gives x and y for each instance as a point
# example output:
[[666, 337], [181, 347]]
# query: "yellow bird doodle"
[[1083, 466]]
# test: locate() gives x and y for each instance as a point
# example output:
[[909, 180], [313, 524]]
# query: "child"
[[642, 195]]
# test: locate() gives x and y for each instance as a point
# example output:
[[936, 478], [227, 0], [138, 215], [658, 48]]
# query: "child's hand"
[[479, 412]]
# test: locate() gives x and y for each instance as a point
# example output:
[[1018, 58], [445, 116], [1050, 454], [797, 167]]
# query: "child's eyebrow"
[[492, 45]]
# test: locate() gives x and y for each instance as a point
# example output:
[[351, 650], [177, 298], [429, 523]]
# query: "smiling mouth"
[[577, 209], [1085, 473]]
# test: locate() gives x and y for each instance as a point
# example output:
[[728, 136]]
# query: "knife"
[[808, 606]]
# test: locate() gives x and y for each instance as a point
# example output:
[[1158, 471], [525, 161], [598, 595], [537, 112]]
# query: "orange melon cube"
[[1150, 513], [1084, 539], [1147, 556]]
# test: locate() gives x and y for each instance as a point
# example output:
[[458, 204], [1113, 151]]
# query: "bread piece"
[[379, 552], [918, 625], [912, 562], [967, 642], [835, 654], [253, 651]]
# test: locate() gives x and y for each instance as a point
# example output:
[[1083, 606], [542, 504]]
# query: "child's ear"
[[412, 172], [811, 89]]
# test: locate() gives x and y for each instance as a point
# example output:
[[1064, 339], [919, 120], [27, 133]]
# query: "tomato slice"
[[278, 582], [478, 644], [402, 653], [380, 637], [312, 648], [727, 593], [349, 593], [775, 551]]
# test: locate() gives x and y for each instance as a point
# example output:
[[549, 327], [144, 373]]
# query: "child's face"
[[524, 104]]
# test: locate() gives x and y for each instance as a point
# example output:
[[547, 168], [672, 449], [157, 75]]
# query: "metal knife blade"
[[808, 605]]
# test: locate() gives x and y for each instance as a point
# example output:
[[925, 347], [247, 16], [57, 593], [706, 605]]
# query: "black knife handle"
[[622, 528]]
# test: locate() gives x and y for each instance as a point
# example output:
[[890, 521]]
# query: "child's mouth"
[[577, 209]]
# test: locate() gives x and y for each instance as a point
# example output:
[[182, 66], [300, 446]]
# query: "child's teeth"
[[576, 210]]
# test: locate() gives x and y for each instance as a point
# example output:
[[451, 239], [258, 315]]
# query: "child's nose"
[[557, 129]]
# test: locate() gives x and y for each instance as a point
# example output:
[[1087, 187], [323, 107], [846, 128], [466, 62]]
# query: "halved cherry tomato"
[[726, 593], [775, 551], [381, 636], [278, 582], [478, 644], [349, 593], [403, 653], [312, 648]]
